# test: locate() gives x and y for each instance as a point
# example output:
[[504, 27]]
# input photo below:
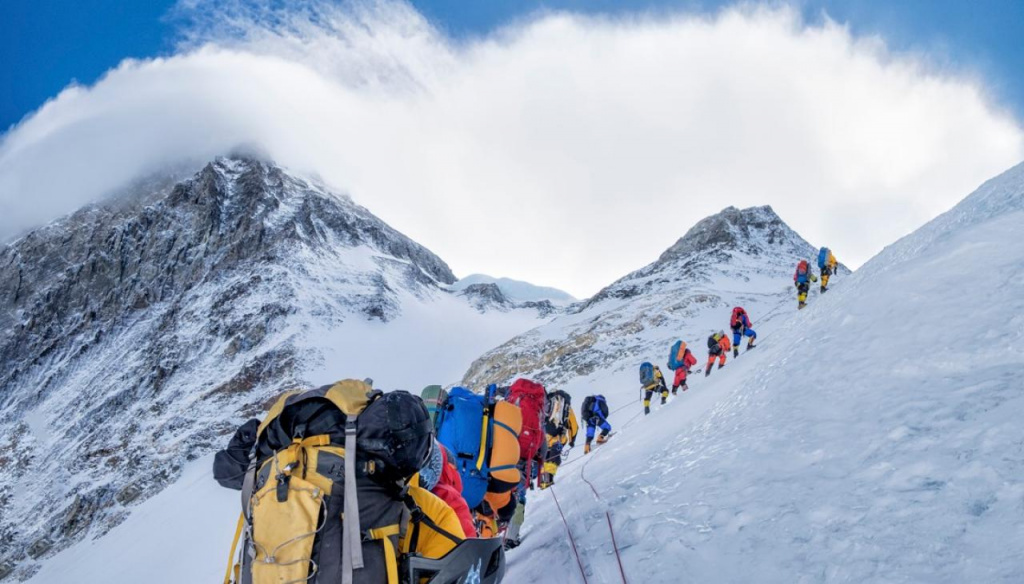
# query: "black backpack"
[[315, 450]]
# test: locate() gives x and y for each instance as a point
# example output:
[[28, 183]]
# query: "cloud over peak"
[[565, 148]]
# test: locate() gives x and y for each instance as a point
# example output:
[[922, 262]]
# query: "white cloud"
[[566, 150]]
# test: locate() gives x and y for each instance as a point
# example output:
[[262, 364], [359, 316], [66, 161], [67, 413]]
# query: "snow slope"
[[874, 437]]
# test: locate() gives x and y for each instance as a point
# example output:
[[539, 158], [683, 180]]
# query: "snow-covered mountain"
[[136, 333], [737, 257], [517, 290], [873, 437]]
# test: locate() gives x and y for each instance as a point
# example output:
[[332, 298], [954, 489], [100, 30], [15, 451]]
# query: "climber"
[[595, 414], [560, 429], [718, 348], [802, 278], [484, 433], [827, 265], [651, 380], [300, 447], [740, 324], [681, 359]]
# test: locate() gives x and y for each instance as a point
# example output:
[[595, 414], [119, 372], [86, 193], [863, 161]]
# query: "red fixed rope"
[[572, 540], [608, 516]]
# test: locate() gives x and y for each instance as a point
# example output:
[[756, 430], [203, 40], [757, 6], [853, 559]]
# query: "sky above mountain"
[[570, 142]]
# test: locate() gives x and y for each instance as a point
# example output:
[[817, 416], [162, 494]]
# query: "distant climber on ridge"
[[681, 360], [718, 348], [595, 414], [740, 324], [827, 266], [802, 278]]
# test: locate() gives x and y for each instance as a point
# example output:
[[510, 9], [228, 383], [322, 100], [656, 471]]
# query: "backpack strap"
[[418, 517], [390, 557], [351, 547], [351, 397], [232, 565], [481, 458]]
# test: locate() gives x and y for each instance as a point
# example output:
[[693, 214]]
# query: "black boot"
[[663, 401], [708, 370], [735, 352], [647, 410]]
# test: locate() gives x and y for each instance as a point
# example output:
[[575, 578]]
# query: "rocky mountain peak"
[[732, 228]]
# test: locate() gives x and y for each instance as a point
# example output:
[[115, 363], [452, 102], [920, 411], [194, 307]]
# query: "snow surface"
[[873, 437], [175, 537]]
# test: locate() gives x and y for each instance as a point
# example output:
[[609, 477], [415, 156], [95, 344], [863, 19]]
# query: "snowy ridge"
[[873, 437], [136, 334], [517, 290], [737, 257]]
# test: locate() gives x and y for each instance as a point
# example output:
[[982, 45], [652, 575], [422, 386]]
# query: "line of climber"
[[434, 487]]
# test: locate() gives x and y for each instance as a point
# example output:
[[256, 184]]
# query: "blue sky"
[[46, 44]]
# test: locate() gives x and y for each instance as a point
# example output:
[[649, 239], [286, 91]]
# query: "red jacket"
[[449, 489], [689, 360]]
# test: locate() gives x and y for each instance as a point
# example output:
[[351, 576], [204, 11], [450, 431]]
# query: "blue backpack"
[[459, 428], [647, 374], [594, 406], [822, 258], [802, 273], [674, 357]]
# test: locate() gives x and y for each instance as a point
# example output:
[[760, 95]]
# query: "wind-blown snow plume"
[[576, 126]]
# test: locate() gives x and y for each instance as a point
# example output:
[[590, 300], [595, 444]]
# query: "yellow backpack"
[[302, 520]]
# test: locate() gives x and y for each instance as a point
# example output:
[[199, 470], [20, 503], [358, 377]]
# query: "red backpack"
[[737, 316], [529, 396]]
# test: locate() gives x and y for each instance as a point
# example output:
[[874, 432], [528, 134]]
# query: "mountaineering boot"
[[708, 370], [674, 391], [801, 305], [735, 352], [824, 289], [647, 410], [512, 543], [751, 345], [720, 365], [602, 438], [586, 448], [663, 398]]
